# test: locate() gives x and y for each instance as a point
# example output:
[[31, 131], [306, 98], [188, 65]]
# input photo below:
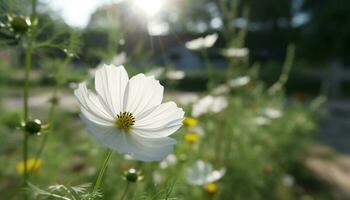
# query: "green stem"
[[126, 190], [209, 69], [28, 66], [51, 112], [102, 171]]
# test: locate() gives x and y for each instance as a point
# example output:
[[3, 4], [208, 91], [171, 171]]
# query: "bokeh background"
[[289, 57]]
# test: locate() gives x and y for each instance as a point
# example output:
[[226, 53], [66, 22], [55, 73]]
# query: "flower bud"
[[19, 24], [132, 175], [33, 127]]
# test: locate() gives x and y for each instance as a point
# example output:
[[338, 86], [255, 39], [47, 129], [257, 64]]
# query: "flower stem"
[[28, 66], [210, 71], [126, 190], [51, 112], [102, 171]]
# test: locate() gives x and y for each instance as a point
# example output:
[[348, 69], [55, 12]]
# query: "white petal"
[[146, 149], [160, 121], [110, 84], [141, 94], [92, 106], [107, 136]]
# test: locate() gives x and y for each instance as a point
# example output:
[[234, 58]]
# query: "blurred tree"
[[327, 34]]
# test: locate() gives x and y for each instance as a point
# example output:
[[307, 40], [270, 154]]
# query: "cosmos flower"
[[209, 104], [221, 89], [239, 82], [235, 52], [168, 161], [119, 59], [175, 75], [156, 72], [33, 165], [272, 113], [262, 120], [202, 173], [127, 115], [202, 42]]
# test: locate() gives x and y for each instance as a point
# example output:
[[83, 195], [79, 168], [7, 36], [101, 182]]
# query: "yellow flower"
[[190, 122], [211, 188], [33, 165], [191, 137]]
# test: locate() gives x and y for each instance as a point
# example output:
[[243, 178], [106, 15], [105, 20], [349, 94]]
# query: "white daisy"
[[202, 173], [127, 115], [202, 42], [209, 104]]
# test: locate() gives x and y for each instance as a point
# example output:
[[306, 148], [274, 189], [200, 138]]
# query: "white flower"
[[202, 42], [202, 173], [156, 72], [198, 130], [272, 113], [186, 98], [235, 52], [221, 89], [238, 82], [170, 160], [175, 75], [262, 121], [119, 59], [288, 180], [209, 104], [127, 115]]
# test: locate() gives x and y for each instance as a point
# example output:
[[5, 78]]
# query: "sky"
[[76, 12]]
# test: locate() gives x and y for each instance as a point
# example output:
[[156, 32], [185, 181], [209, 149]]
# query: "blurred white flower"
[[128, 157], [272, 113], [198, 130], [73, 85], [262, 121], [288, 180], [158, 178], [235, 52], [221, 89], [156, 72], [202, 173], [187, 98], [238, 82], [175, 74], [209, 104], [127, 115], [119, 59], [202, 42], [170, 160]]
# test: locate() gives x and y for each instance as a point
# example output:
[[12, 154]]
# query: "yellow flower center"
[[211, 188], [124, 121], [191, 137], [190, 122]]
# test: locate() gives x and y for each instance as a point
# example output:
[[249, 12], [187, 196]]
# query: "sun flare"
[[150, 7]]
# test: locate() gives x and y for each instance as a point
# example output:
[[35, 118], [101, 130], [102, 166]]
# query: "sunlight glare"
[[150, 7]]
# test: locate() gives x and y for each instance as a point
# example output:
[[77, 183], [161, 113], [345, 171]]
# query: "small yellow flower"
[[211, 188], [191, 137], [33, 165], [190, 122]]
